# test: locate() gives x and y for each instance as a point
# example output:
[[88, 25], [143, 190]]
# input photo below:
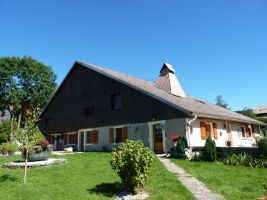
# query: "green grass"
[[85, 176], [233, 182]]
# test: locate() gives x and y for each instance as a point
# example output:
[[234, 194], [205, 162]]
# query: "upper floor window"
[[116, 101], [89, 111]]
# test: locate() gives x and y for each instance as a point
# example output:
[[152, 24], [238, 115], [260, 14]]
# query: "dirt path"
[[197, 188]]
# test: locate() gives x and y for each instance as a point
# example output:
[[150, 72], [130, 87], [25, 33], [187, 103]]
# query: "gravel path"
[[197, 188]]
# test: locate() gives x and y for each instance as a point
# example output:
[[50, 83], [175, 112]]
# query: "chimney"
[[167, 81]]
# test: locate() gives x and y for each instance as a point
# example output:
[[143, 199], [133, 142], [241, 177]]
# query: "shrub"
[[181, 145], [209, 152], [131, 160], [4, 131], [244, 160], [263, 147]]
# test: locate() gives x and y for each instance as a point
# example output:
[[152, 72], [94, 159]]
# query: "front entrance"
[[158, 138]]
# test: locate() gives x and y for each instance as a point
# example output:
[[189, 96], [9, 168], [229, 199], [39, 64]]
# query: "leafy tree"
[[263, 146], [221, 102], [24, 83], [28, 136], [248, 112], [5, 130]]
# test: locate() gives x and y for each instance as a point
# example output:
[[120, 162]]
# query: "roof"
[[169, 66], [168, 81], [189, 105], [260, 110]]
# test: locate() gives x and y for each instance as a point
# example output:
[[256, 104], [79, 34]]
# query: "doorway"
[[158, 138]]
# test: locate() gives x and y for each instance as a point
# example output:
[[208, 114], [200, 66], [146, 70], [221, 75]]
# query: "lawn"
[[85, 176], [233, 182]]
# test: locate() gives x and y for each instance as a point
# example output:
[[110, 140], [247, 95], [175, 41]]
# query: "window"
[[116, 101], [88, 136], [89, 111], [243, 131], [118, 135], [72, 139]]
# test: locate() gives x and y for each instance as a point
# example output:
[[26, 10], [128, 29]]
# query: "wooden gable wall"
[[85, 88]]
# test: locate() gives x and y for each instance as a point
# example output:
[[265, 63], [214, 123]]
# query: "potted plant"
[[12, 148], [41, 151], [174, 138]]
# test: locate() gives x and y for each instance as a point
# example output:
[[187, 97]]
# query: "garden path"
[[197, 188]]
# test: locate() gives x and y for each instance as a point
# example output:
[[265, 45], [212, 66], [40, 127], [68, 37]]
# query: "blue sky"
[[216, 47]]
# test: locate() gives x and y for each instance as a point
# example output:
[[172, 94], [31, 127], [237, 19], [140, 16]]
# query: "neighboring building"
[[261, 111], [95, 108]]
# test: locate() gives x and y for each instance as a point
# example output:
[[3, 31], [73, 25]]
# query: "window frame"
[[86, 132], [115, 135], [116, 98]]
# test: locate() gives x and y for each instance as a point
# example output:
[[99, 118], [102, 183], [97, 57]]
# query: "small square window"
[[89, 111], [116, 101]]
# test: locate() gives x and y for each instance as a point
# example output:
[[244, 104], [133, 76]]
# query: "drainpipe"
[[189, 131]]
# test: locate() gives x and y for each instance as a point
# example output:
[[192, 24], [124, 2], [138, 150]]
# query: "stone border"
[[21, 164]]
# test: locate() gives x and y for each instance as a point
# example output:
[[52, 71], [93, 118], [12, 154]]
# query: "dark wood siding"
[[85, 88]]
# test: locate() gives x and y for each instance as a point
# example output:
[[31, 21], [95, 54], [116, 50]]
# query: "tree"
[[28, 136], [248, 112], [209, 152], [24, 83], [5, 130], [221, 102]]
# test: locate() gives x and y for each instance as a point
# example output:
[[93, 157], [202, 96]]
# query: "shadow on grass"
[[107, 189], [7, 177]]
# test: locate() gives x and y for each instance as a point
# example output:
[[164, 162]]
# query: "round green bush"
[[263, 147], [132, 161], [181, 145], [209, 152]]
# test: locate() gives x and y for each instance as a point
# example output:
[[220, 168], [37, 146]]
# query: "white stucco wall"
[[174, 126], [135, 132], [139, 132], [235, 136]]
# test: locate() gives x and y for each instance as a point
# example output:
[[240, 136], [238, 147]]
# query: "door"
[[82, 141], [158, 138]]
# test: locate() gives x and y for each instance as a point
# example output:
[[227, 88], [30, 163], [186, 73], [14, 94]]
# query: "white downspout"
[[189, 131]]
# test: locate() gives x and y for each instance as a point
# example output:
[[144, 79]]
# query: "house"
[[261, 111], [96, 109]]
